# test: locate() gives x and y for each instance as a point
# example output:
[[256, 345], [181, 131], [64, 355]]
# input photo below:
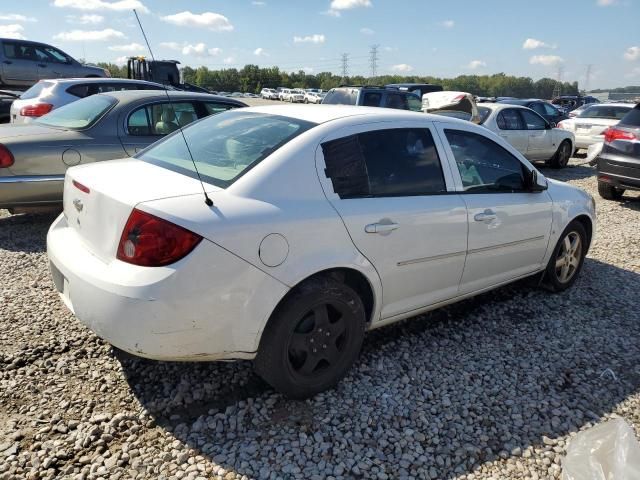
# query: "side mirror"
[[531, 182]]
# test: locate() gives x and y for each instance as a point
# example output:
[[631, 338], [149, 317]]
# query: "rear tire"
[[562, 155], [567, 259], [609, 192], [312, 338]]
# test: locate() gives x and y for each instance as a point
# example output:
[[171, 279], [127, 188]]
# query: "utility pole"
[[587, 78], [373, 61], [345, 65]]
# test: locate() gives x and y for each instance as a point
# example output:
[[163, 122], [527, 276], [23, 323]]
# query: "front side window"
[[213, 108], [509, 119], [533, 121], [80, 114], [538, 108], [397, 101], [484, 166], [225, 146], [384, 163], [550, 110]]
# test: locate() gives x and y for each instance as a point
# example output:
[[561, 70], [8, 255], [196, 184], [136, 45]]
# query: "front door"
[[396, 200], [541, 145], [509, 227]]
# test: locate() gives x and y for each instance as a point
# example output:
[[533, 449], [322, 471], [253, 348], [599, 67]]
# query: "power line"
[[345, 65], [373, 60]]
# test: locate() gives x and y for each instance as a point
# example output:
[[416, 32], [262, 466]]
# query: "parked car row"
[[293, 95]]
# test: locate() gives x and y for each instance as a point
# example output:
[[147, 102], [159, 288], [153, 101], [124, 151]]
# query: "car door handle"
[[488, 214], [380, 227]]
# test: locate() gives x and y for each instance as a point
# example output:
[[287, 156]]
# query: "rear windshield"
[[224, 146], [35, 91], [341, 97], [632, 118], [604, 111], [80, 114]]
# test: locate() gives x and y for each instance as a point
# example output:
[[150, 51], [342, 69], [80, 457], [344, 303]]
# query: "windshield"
[[35, 91], [80, 114], [609, 112], [224, 146], [341, 97]]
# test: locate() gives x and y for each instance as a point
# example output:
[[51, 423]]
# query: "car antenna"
[[207, 200]]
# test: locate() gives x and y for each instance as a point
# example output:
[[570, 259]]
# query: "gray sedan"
[[35, 157]]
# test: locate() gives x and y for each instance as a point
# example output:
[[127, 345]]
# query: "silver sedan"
[[35, 157]]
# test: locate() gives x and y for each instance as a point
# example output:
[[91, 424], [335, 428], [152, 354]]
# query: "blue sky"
[[440, 38]]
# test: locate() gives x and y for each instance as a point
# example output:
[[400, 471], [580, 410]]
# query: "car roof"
[[610, 104], [502, 106], [132, 95], [520, 101], [326, 113], [99, 80]]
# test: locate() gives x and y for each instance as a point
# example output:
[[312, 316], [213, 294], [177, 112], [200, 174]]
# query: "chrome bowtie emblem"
[[78, 204]]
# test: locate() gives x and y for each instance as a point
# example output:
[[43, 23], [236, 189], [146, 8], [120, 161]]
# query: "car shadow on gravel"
[[576, 170], [25, 232], [436, 396]]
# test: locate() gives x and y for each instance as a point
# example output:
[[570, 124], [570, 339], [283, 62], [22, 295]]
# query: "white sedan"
[[589, 126], [313, 97], [317, 225], [529, 133]]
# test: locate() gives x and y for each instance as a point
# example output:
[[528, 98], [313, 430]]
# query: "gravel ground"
[[492, 387]]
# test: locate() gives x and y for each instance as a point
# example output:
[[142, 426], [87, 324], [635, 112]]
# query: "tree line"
[[252, 78]]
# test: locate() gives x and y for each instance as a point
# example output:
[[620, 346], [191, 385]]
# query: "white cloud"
[[532, 44], [475, 64], [89, 35], [121, 60], [86, 19], [114, 6], [402, 67], [448, 23], [171, 45], [315, 38], [132, 47], [366, 31], [260, 52], [15, 17], [258, 3], [632, 53], [209, 20], [200, 50], [606, 3], [12, 31], [547, 60], [229, 60], [348, 4], [331, 13]]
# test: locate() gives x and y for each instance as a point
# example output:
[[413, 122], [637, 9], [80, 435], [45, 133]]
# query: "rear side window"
[[161, 118], [510, 119], [632, 119], [484, 166], [86, 89], [415, 104], [384, 163], [484, 114], [397, 101], [372, 99], [213, 108]]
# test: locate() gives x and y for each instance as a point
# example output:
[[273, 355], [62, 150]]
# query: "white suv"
[[269, 94], [47, 95]]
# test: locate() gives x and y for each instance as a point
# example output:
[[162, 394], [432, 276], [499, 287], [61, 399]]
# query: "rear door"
[[509, 227], [541, 145], [511, 127], [388, 183], [19, 66]]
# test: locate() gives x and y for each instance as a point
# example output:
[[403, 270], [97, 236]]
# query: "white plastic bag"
[[605, 452]]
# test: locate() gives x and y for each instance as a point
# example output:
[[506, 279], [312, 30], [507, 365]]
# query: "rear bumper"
[[584, 141], [619, 172], [31, 190], [211, 305]]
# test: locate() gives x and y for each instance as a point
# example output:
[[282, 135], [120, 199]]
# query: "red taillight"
[[6, 157], [36, 110], [613, 133], [150, 241], [81, 187]]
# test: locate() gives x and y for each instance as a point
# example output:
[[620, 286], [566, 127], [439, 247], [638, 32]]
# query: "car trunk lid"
[[99, 198], [592, 126]]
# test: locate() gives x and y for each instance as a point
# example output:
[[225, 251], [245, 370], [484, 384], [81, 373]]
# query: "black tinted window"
[[483, 164], [550, 110], [632, 119], [533, 121], [384, 163], [372, 99], [538, 108], [396, 100], [509, 119]]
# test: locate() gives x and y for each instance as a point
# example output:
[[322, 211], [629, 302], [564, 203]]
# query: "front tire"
[[312, 338], [567, 258], [562, 155], [609, 192]]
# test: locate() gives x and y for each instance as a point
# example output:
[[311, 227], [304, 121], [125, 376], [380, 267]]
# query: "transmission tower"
[[587, 78], [373, 60], [557, 90], [345, 65]]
